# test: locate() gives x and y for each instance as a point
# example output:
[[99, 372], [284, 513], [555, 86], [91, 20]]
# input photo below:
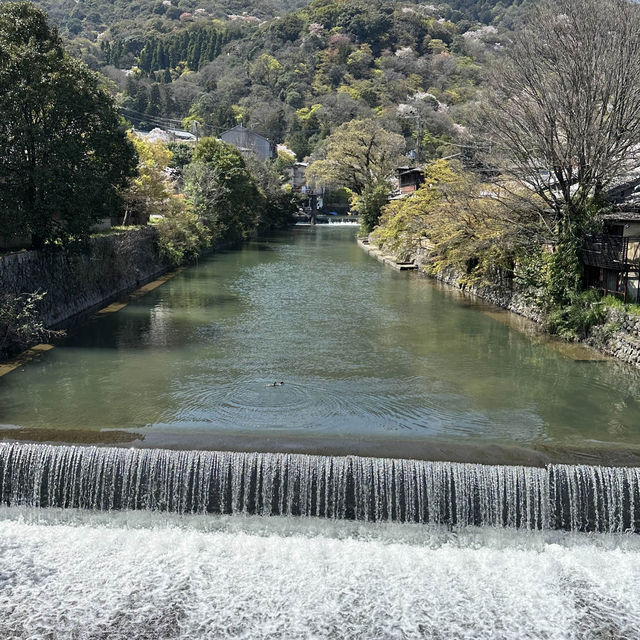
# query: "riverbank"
[[618, 336], [77, 283]]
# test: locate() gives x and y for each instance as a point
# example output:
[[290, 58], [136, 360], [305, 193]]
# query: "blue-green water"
[[373, 361]]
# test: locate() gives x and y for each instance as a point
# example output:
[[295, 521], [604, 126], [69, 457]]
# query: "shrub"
[[613, 302], [574, 320], [20, 323]]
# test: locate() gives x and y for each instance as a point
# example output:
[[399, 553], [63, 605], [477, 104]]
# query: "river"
[[373, 361], [409, 538]]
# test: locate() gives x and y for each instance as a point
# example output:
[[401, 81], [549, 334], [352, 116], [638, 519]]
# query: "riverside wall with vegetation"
[[77, 282], [617, 334]]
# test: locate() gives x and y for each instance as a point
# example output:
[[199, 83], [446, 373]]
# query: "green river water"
[[374, 362]]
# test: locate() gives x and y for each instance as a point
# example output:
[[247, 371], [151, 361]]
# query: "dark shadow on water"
[[69, 436]]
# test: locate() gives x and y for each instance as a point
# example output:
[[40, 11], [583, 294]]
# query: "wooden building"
[[612, 259], [409, 179]]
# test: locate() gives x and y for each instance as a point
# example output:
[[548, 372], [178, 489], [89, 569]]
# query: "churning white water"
[[116, 544], [68, 574]]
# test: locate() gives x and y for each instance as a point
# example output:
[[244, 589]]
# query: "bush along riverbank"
[[462, 232]]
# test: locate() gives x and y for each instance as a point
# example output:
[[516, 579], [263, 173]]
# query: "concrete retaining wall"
[[76, 283]]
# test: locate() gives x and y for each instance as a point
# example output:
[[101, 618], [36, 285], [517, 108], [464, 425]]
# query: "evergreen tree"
[[153, 107], [63, 155]]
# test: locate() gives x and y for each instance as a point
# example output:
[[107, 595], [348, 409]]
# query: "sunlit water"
[[374, 362], [147, 576]]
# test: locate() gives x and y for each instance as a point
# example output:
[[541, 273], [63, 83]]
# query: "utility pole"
[[418, 139]]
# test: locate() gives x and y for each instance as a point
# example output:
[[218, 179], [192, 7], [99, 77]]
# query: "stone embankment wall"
[[619, 336], [495, 294], [76, 283]]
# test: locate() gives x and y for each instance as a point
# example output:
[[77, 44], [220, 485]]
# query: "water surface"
[[373, 361], [68, 574]]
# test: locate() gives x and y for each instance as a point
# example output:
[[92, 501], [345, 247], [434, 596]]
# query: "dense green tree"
[[370, 204], [359, 155], [194, 46], [63, 153], [223, 192], [279, 200]]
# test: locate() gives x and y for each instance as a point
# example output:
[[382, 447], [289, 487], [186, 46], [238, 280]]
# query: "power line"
[[150, 118]]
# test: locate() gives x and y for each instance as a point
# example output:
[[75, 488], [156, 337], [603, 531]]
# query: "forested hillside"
[[292, 73]]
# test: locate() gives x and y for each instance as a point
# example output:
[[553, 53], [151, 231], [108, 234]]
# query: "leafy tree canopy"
[[222, 191], [63, 153], [360, 153]]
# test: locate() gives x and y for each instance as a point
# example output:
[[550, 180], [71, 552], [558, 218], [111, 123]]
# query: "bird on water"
[[275, 384]]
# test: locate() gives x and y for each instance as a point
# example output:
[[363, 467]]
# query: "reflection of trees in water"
[[502, 369]]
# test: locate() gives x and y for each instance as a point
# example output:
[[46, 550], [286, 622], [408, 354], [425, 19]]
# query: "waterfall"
[[576, 498]]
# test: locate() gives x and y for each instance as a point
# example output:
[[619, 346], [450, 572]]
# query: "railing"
[[617, 253]]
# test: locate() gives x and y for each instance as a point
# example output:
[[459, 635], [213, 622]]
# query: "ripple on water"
[[251, 403]]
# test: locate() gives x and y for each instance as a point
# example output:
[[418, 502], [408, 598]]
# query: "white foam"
[[67, 574]]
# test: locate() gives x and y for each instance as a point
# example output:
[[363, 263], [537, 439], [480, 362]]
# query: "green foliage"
[[278, 203], [20, 323], [150, 191], [336, 60], [182, 237], [369, 205], [224, 195], [533, 275], [63, 154], [94, 15], [338, 200], [181, 155], [610, 329], [614, 302], [565, 269], [405, 222], [194, 46], [452, 218], [574, 320]]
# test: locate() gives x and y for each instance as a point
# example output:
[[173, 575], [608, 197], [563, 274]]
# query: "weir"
[[575, 498]]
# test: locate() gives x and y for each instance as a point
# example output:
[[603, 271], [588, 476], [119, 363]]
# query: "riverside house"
[[248, 141], [409, 179], [612, 259]]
